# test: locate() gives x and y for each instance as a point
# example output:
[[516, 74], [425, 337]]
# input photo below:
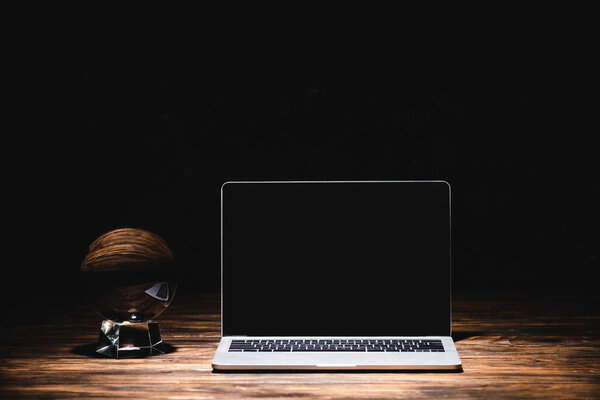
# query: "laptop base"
[[333, 360]]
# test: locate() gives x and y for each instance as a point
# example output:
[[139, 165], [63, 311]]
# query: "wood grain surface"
[[512, 346]]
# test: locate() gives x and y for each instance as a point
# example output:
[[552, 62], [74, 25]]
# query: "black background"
[[140, 129]]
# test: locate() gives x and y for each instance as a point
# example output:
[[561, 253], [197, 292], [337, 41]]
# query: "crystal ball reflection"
[[129, 275]]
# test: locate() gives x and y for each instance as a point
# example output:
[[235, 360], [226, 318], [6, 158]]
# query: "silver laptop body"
[[335, 275]]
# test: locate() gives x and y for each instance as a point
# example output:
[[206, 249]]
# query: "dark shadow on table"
[[457, 336], [89, 350]]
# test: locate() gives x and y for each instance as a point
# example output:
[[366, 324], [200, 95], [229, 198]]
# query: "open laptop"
[[335, 275]]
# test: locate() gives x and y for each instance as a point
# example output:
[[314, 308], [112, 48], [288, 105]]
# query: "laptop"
[[335, 275]]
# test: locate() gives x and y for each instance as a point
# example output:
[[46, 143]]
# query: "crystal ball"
[[129, 275]]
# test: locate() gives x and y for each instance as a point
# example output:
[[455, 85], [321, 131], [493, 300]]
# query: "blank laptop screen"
[[336, 259]]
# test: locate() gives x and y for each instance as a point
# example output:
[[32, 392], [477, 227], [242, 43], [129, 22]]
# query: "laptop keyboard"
[[345, 345]]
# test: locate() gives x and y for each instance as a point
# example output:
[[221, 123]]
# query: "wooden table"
[[511, 346]]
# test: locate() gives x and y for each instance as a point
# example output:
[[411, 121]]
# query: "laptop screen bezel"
[[449, 333]]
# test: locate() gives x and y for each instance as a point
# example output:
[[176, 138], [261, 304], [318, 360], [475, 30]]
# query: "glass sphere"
[[129, 275]]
